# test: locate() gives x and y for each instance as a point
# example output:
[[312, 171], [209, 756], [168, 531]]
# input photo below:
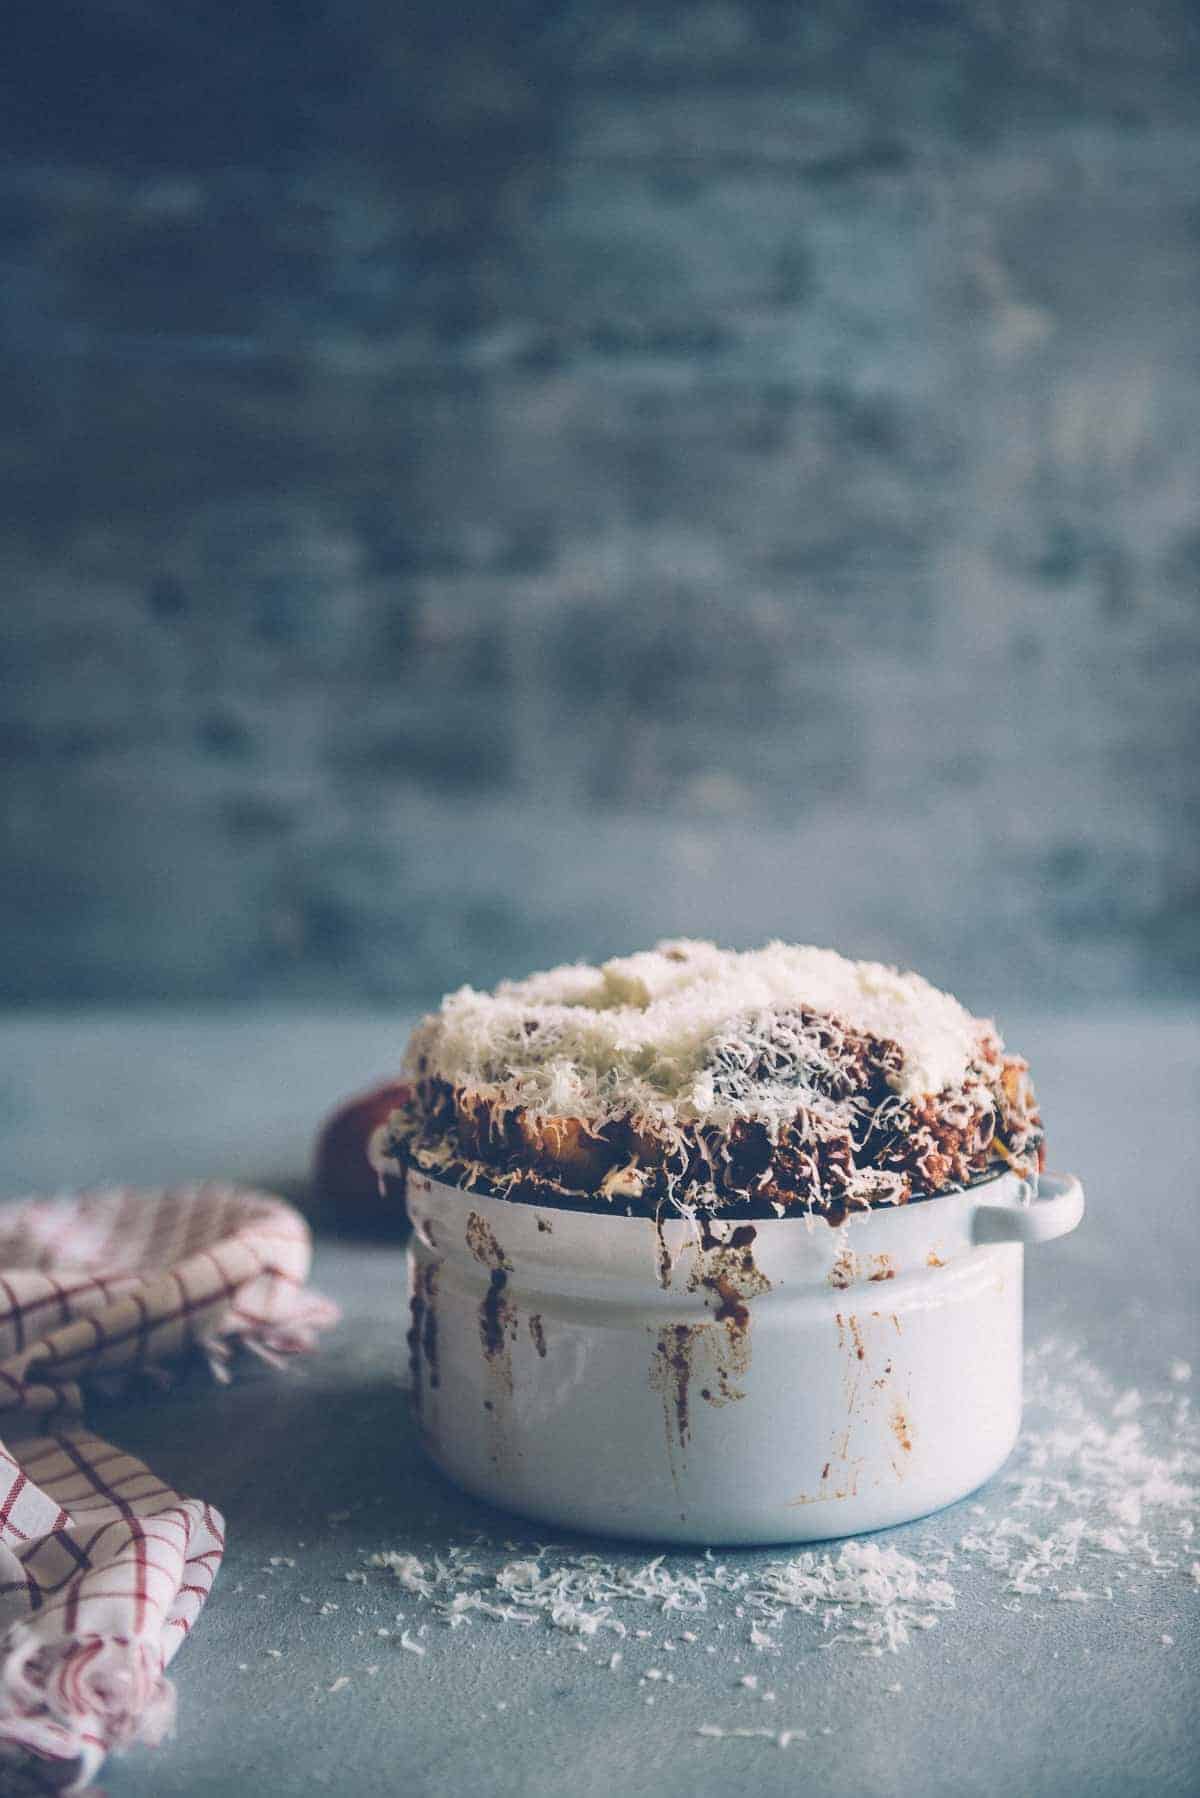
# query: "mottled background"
[[493, 482]]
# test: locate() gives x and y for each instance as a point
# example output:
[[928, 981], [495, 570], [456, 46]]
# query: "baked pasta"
[[773, 1081]]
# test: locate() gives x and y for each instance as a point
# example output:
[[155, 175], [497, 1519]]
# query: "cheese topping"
[[689, 1033]]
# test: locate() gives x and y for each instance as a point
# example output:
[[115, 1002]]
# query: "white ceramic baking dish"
[[774, 1381]]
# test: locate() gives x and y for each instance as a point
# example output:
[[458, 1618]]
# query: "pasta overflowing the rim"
[[763, 1082]]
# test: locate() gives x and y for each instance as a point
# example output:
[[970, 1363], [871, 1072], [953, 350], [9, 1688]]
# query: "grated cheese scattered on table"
[[866, 1593], [1084, 1510]]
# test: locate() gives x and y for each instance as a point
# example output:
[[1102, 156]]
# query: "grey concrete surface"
[[495, 483], [321, 1464]]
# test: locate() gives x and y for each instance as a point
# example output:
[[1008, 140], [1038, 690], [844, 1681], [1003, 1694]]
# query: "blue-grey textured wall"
[[487, 483]]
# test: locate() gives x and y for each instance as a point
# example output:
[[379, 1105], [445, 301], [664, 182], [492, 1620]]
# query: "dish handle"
[[1041, 1209]]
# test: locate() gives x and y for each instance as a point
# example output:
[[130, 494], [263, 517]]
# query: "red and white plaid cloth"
[[103, 1569]]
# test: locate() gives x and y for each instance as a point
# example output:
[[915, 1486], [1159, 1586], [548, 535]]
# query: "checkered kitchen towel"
[[103, 1569]]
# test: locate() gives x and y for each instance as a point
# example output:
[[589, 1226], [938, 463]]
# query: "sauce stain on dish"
[[671, 1374], [847, 1486], [716, 1351], [850, 1323], [663, 1262], [733, 1308], [422, 1335], [727, 1271], [498, 1325], [848, 1268], [900, 1427], [844, 1270], [497, 1314], [482, 1243]]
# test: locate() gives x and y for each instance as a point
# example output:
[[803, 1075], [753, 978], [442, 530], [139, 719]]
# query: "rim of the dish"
[[593, 1205]]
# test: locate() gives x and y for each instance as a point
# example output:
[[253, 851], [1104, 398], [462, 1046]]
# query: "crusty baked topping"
[[777, 1075], [709, 1033]]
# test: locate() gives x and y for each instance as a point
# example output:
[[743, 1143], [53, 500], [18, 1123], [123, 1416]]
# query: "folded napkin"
[[103, 1569]]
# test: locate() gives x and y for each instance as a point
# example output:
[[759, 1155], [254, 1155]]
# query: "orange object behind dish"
[[343, 1179]]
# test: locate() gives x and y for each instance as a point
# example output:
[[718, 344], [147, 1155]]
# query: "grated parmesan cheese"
[[871, 1595], [636, 1036], [782, 1738], [1084, 1491], [1087, 1502]]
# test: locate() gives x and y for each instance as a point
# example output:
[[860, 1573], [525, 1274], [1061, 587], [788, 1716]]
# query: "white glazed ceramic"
[[779, 1381]]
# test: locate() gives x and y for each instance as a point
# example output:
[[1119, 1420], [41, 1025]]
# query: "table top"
[[287, 1686]]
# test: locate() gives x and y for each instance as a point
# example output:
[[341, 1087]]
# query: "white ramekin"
[[777, 1381]]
